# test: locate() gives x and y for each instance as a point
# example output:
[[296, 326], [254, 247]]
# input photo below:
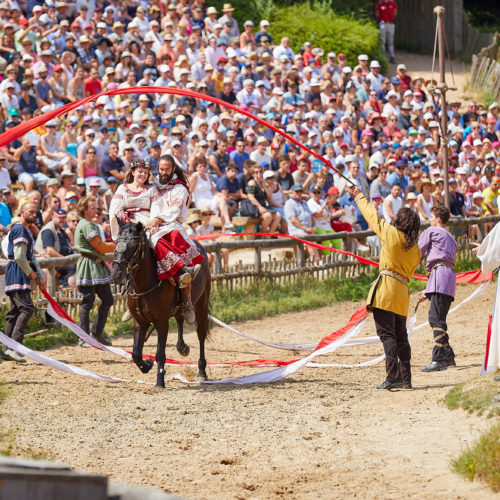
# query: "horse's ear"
[[139, 227]]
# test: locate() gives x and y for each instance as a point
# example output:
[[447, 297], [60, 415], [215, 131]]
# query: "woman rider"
[[138, 201]]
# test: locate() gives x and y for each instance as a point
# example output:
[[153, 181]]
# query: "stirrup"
[[185, 279]]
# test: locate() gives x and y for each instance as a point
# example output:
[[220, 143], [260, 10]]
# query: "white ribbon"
[[264, 377]]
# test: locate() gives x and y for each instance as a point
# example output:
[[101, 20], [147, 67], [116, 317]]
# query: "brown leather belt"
[[98, 260], [439, 264]]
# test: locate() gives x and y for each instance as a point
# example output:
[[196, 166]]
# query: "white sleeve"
[[116, 205], [489, 251], [169, 205]]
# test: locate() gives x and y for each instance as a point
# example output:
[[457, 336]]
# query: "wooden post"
[[258, 262], [439, 11], [51, 281]]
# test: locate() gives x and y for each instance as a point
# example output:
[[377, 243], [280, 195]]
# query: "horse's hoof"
[[202, 377], [183, 350], [146, 365]]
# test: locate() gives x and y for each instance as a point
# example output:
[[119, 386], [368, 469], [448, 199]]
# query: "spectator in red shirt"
[[92, 83], [386, 11]]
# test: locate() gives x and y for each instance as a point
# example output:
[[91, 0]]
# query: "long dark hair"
[[408, 222], [177, 169]]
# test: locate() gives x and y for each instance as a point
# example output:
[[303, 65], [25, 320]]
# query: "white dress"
[[127, 204], [202, 193], [426, 206]]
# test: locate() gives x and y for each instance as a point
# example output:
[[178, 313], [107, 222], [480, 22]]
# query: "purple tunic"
[[439, 245]]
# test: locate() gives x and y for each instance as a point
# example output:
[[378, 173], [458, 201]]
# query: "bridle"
[[132, 265]]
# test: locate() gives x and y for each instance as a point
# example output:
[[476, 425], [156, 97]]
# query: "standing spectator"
[[386, 11], [53, 241], [21, 269], [92, 274]]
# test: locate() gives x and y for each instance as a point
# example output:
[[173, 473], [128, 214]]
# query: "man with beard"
[[21, 269], [176, 254]]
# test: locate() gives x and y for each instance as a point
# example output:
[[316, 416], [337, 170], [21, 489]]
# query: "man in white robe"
[[489, 254]]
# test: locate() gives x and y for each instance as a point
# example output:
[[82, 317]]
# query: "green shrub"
[[324, 28], [333, 25]]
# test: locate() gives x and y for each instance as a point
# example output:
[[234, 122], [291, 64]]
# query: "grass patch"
[[266, 299], [263, 299], [474, 396], [482, 459]]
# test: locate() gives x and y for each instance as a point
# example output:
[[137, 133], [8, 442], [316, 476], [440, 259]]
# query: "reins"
[[132, 266]]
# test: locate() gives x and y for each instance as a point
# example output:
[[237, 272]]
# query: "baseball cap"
[[332, 190], [297, 187], [268, 174], [69, 195], [60, 212]]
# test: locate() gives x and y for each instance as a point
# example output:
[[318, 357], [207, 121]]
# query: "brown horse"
[[152, 301]]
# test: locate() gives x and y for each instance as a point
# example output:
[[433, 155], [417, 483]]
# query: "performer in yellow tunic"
[[389, 295]]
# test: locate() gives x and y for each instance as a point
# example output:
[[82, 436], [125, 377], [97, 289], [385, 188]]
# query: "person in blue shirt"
[[5, 211], [20, 271], [230, 189], [28, 172], [299, 218], [239, 156], [348, 201], [398, 176]]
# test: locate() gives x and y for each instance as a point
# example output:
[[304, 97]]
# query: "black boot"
[[100, 338], [435, 366]]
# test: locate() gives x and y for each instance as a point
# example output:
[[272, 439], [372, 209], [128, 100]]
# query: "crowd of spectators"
[[381, 132]]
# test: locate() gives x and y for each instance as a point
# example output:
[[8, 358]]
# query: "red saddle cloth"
[[172, 252]]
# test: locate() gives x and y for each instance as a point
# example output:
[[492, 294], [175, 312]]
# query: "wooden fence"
[[294, 266], [416, 22], [485, 70]]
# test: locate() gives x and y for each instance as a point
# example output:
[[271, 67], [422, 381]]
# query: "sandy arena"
[[323, 433]]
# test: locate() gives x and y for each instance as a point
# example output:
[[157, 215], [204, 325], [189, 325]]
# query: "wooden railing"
[[293, 266]]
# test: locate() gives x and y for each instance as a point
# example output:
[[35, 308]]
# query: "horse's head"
[[130, 247]]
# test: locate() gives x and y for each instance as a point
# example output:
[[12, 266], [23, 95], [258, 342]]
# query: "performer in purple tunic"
[[440, 248]]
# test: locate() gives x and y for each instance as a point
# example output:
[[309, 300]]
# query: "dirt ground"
[[323, 433]]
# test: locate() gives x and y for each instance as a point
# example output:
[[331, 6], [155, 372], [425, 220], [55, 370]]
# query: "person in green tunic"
[[93, 276]]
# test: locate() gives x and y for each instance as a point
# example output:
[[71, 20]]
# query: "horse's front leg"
[[202, 330], [182, 347], [140, 330], [160, 353]]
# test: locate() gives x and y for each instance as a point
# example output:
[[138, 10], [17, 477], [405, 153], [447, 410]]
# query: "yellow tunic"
[[388, 293]]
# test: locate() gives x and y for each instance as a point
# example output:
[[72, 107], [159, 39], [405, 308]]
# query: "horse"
[[154, 301]]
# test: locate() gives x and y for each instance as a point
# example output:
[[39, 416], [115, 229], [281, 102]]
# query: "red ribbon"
[[475, 276], [24, 127]]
